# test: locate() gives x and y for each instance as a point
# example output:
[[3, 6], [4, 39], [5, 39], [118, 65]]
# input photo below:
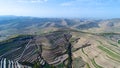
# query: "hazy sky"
[[61, 8]]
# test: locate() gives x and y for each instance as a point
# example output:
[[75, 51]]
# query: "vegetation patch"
[[113, 44], [95, 64], [112, 58], [87, 65], [118, 41], [110, 53], [60, 65], [100, 42], [78, 63], [106, 34], [84, 52]]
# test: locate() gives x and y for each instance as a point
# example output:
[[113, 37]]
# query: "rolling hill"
[[94, 43]]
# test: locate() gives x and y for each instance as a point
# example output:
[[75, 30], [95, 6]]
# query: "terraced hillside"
[[50, 48], [88, 50], [104, 51]]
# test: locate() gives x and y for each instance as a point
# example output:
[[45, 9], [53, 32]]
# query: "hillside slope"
[[89, 50], [103, 52]]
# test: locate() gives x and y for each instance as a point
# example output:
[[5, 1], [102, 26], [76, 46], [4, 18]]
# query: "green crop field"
[[110, 53], [95, 64]]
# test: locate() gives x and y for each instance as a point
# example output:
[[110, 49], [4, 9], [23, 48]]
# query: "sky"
[[61, 8]]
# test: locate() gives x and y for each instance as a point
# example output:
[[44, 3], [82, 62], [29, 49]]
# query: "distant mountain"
[[13, 25]]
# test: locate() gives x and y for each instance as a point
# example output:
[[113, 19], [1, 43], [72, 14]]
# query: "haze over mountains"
[[10, 25]]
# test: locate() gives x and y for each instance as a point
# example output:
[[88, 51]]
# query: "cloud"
[[32, 1], [66, 4], [90, 2], [97, 1]]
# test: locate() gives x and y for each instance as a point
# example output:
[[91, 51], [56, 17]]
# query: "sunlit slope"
[[109, 25], [103, 52]]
